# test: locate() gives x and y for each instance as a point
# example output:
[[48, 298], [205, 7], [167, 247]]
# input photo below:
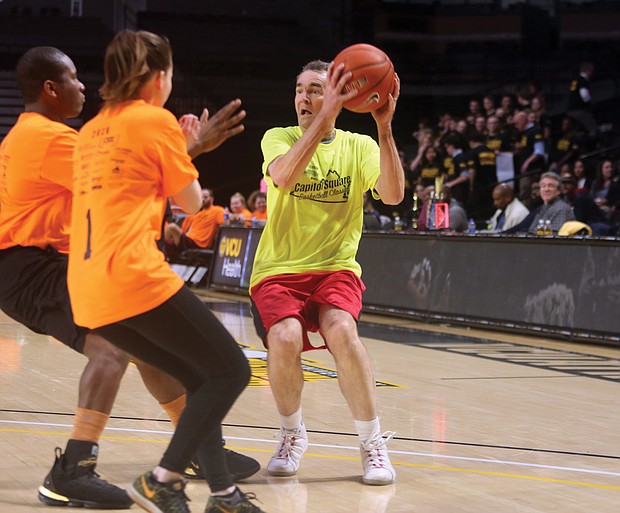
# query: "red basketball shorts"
[[300, 296]]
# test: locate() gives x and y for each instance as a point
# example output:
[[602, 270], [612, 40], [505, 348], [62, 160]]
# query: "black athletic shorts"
[[33, 291]]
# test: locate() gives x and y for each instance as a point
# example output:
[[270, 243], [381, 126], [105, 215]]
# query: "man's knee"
[[105, 355], [339, 326], [285, 337]]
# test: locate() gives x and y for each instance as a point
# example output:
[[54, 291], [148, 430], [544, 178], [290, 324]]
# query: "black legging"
[[183, 338]]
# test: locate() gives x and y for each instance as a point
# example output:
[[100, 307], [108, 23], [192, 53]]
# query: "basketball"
[[373, 76]]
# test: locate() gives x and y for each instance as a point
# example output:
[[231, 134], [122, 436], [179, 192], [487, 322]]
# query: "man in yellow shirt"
[[305, 276]]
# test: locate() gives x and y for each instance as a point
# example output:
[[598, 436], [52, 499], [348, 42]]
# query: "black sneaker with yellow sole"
[[240, 466], [77, 485]]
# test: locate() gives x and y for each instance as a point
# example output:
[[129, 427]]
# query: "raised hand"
[[335, 93], [384, 115], [190, 124], [216, 129]]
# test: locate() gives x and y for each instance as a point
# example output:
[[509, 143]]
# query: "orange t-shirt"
[[260, 216], [36, 169], [202, 227], [246, 213], [128, 160]]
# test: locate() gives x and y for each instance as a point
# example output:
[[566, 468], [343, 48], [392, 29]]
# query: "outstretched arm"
[[391, 182], [214, 130]]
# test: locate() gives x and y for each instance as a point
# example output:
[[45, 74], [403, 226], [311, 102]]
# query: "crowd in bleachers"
[[511, 139]]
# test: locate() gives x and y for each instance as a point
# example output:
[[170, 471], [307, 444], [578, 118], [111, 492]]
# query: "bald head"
[[35, 67], [502, 196]]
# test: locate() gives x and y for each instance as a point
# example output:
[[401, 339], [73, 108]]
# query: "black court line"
[[532, 356], [347, 434], [527, 355]]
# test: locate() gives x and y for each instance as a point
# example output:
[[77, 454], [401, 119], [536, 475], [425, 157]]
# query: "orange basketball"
[[373, 76]]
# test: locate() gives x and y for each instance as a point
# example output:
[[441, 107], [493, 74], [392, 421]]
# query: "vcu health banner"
[[234, 257]]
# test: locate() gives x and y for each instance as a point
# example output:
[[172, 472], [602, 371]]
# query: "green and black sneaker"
[[237, 502], [156, 497]]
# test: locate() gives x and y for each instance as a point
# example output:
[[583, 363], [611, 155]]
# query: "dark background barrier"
[[562, 287]]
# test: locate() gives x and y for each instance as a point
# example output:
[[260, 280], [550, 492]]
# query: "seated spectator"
[[510, 211], [613, 201], [197, 231], [602, 183], [239, 213], [259, 202], [553, 211], [584, 207], [533, 201], [458, 216], [584, 181]]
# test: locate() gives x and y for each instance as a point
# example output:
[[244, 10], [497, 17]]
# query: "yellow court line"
[[350, 458], [466, 470], [516, 476]]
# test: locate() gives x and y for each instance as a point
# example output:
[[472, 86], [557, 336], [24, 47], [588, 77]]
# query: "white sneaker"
[[286, 460], [375, 460]]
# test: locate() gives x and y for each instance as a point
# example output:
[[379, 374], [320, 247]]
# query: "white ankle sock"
[[291, 421], [366, 429]]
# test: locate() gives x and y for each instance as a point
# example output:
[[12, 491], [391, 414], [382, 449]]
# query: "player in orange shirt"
[[129, 159], [35, 198], [36, 168], [197, 231]]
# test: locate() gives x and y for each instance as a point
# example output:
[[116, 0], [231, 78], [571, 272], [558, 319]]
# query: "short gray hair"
[[553, 176]]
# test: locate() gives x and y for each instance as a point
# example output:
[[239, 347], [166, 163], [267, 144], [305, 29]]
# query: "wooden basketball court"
[[484, 422]]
